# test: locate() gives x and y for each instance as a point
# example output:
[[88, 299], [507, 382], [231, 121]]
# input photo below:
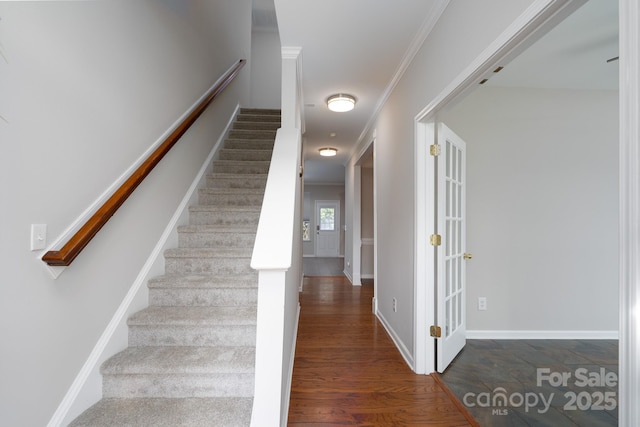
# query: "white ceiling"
[[360, 47], [354, 47]]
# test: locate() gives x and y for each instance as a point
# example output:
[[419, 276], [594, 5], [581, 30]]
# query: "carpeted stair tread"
[[239, 163], [254, 117], [247, 167], [215, 236], [244, 154], [238, 181], [208, 253], [205, 228], [194, 316], [256, 125], [257, 144], [252, 134], [224, 209], [180, 360], [260, 111], [256, 176], [168, 412], [224, 215], [232, 191], [270, 118], [231, 196], [204, 281]]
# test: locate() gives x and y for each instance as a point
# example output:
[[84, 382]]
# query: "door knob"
[[467, 256]]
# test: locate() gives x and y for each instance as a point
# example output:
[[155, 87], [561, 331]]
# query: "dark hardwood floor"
[[510, 367], [347, 371]]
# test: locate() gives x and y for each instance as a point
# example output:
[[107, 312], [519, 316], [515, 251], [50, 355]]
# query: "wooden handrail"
[[83, 236]]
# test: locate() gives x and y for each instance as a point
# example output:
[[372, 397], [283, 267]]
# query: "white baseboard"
[[404, 351], [348, 275], [290, 377], [81, 395], [542, 335], [367, 276]]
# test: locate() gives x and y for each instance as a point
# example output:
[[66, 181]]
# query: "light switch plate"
[[38, 236]]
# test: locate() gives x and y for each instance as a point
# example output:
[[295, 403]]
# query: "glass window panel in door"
[[327, 219]]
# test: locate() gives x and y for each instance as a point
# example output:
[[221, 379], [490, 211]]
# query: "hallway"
[[347, 371]]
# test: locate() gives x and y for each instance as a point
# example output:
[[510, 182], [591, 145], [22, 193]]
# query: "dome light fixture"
[[341, 102], [328, 151]]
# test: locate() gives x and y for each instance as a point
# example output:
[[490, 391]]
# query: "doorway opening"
[[519, 264]]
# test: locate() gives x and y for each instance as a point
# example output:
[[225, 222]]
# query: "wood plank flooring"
[[347, 371]]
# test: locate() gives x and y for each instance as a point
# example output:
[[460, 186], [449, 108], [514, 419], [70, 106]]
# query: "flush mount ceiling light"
[[328, 151], [341, 102]]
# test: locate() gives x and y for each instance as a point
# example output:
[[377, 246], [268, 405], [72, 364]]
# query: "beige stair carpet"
[[191, 354]]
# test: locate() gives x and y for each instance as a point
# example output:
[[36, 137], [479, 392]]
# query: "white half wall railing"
[[277, 255]]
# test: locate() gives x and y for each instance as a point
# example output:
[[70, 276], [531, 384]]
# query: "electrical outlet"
[[482, 303], [395, 305]]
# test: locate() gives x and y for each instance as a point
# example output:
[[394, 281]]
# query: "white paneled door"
[[327, 228], [451, 257]]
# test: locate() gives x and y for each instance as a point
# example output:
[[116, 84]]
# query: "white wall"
[[465, 29], [542, 194], [266, 69], [86, 89]]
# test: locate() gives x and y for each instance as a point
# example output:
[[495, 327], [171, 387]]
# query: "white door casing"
[[450, 256], [327, 228]]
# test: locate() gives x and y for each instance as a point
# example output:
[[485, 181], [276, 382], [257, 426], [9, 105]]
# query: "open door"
[[450, 254]]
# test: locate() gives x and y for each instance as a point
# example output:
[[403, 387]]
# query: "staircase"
[[190, 360]]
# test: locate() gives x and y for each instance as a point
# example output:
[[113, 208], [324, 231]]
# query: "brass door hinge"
[[435, 331], [436, 240], [434, 150]]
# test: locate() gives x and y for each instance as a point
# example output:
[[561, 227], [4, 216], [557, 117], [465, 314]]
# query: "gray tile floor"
[[318, 266], [537, 382]]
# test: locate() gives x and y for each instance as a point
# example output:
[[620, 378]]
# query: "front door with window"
[[327, 228]]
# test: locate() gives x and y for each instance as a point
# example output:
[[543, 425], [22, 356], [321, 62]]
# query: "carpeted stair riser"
[[249, 144], [248, 125], [224, 215], [263, 112], [204, 236], [179, 385], [227, 180], [203, 297], [204, 290], [252, 134], [242, 155], [195, 264], [228, 166], [191, 354], [193, 326], [204, 281], [230, 196], [248, 117], [180, 372], [224, 335], [163, 412]]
